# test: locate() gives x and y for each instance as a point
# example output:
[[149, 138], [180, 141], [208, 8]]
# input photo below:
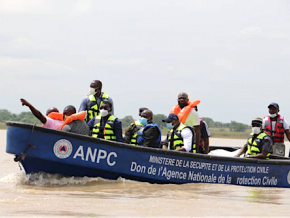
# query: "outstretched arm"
[[35, 112]]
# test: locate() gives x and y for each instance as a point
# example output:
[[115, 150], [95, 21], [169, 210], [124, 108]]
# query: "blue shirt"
[[117, 127]]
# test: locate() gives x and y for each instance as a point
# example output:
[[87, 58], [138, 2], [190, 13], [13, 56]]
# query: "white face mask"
[[272, 115], [256, 130], [104, 112], [92, 91]]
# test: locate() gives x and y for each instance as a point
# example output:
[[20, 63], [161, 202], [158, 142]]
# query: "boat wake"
[[48, 180]]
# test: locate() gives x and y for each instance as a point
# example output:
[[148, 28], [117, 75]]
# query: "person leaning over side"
[[131, 132], [276, 126], [150, 134], [53, 118], [180, 137], [187, 114], [94, 100], [106, 125], [203, 146], [259, 143], [74, 122]]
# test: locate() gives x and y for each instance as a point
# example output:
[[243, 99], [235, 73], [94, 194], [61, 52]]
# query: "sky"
[[233, 55]]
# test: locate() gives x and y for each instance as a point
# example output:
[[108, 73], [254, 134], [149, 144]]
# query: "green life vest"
[[177, 141], [255, 146], [94, 109], [135, 133], [108, 131]]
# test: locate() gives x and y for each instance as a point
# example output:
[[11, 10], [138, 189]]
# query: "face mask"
[[169, 125], [143, 121], [92, 91], [182, 105], [256, 130], [104, 112], [273, 115]]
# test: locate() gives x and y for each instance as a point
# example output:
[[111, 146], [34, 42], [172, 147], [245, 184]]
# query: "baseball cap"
[[170, 118], [274, 105]]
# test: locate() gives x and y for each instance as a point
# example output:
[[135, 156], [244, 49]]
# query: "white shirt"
[[192, 118], [186, 134]]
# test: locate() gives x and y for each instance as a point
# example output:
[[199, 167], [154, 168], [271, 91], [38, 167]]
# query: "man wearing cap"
[[259, 143], [187, 114], [150, 134], [275, 124], [180, 137], [131, 132]]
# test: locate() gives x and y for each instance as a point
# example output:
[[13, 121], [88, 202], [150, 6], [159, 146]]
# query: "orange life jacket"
[[77, 116], [182, 114], [55, 116], [277, 134]]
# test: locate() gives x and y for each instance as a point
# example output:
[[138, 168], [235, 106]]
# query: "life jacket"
[[177, 141], [135, 134], [94, 110], [278, 134], [55, 116], [108, 132], [141, 138], [255, 146], [77, 116], [183, 113]]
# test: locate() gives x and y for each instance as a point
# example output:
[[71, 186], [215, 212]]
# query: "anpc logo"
[[62, 149]]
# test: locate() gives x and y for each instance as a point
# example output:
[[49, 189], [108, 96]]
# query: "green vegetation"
[[217, 129], [25, 117]]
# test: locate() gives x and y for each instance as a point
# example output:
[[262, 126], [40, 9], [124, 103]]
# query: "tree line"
[[28, 117]]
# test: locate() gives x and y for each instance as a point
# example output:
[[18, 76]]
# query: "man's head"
[[96, 87], [148, 115], [172, 121], [141, 109], [105, 108], [273, 109], [69, 110], [257, 125], [52, 109], [182, 99]]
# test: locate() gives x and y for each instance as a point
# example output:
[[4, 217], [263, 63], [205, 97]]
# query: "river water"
[[45, 195]]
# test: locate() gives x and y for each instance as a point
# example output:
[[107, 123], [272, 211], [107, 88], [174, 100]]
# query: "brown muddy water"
[[45, 195]]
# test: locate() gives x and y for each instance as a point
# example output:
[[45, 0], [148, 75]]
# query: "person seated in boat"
[[74, 122], [277, 127], [131, 132], [203, 146], [53, 118], [106, 125], [259, 143], [150, 134], [94, 100], [184, 109], [180, 137]]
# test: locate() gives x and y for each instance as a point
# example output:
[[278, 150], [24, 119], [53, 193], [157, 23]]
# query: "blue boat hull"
[[75, 155]]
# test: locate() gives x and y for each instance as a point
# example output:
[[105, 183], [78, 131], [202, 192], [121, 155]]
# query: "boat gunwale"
[[285, 161]]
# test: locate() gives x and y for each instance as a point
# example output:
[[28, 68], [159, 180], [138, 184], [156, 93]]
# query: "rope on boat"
[[29, 145]]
